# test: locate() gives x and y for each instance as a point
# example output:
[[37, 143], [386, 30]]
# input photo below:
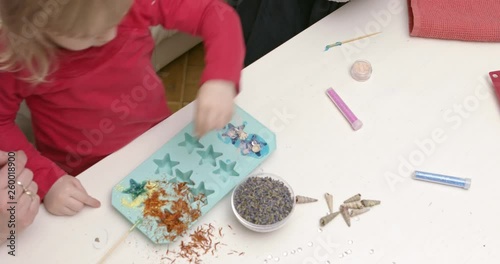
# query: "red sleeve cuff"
[[44, 175]]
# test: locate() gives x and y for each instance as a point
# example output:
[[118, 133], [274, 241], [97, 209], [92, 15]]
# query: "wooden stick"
[[362, 37], [338, 43], [124, 236]]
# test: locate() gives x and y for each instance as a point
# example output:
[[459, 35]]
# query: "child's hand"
[[28, 201], [68, 197], [214, 106]]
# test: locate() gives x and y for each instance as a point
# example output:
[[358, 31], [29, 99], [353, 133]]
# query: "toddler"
[[84, 69]]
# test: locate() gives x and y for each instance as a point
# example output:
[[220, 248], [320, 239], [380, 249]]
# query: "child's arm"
[[12, 138], [64, 194], [219, 26]]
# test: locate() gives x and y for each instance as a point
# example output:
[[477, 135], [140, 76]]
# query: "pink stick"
[[344, 109]]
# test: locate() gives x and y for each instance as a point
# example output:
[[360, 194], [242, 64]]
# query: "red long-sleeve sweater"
[[101, 98]]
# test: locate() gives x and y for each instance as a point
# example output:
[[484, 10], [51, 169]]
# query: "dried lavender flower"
[[263, 200]]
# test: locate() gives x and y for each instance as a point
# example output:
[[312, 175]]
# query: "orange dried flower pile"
[[171, 212], [202, 241]]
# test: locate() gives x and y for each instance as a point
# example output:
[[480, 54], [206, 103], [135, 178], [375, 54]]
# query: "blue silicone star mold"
[[226, 169], [201, 190], [200, 172], [209, 156], [166, 163], [190, 143], [183, 177]]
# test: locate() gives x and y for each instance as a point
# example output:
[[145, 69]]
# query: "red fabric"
[[472, 20], [101, 98]]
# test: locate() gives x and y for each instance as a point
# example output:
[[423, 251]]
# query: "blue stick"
[[442, 179]]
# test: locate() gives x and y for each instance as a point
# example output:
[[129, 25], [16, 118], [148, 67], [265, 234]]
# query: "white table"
[[416, 91]]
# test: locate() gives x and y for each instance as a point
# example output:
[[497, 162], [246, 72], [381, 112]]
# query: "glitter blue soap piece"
[[135, 188], [442, 179]]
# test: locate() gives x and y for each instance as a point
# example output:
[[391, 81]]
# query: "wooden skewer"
[[362, 37], [350, 40], [124, 236]]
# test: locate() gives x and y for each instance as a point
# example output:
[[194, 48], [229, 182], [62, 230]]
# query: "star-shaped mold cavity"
[[136, 188], [209, 156], [226, 169], [183, 177], [190, 143], [166, 163], [201, 190]]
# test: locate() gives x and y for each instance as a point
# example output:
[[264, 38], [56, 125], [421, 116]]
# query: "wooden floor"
[[181, 77]]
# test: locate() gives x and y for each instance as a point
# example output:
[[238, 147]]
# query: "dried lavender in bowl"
[[263, 200]]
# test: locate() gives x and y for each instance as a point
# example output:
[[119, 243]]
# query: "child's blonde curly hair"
[[24, 43]]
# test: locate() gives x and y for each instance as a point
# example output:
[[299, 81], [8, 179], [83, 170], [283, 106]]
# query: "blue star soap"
[[135, 188]]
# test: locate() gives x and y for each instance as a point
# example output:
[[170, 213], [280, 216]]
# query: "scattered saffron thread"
[[202, 241]]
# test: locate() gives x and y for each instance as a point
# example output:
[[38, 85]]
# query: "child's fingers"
[[89, 200], [229, 115], [201, 128], [198, 120], [218, 121], [92, 202], [205, 118], [83, 197], [209, 119], [222, 121], [74, 204], [79, 185], [67, 211]]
